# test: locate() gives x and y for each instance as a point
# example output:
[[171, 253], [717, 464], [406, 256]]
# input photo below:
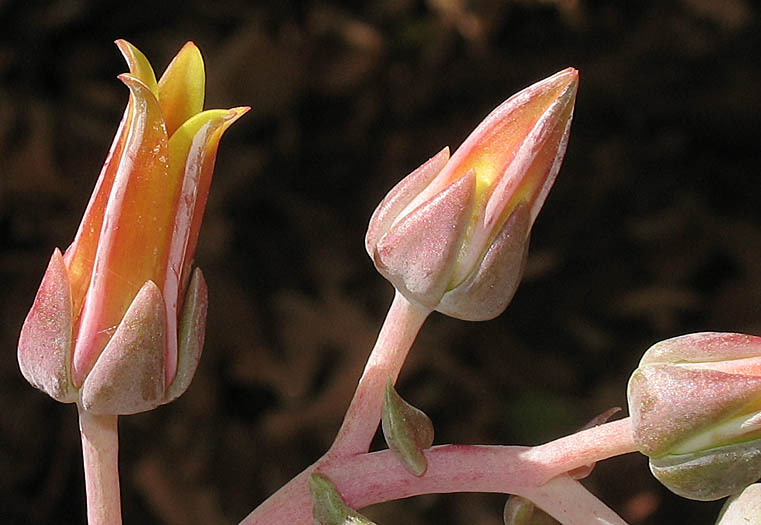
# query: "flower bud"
[[453, 235], [695, 403], [118, 322]]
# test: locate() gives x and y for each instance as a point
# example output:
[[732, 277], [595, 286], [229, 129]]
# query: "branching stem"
[[536, 473], [363, 478]]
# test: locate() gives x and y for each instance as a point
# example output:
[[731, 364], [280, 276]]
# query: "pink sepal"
[[669, 401], [420, 250], [488, 290], [128, 377], [704, 347], [400, 196], [44, 348]]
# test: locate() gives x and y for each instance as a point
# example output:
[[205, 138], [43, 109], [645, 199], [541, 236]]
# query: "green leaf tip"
[[520, 511], [328, 508], [407, 430]]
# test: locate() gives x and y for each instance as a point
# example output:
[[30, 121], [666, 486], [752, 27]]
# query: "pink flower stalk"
[[453, 235], [117, 325]]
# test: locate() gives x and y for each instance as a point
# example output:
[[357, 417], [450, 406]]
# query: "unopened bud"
[[453, 235], [695, 403]]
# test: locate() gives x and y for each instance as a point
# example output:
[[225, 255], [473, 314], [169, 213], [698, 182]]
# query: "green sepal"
[[328, 508], [407, 430], [710, 474]]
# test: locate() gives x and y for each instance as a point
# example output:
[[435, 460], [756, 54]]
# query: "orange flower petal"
[[137, 224], [192, 151]]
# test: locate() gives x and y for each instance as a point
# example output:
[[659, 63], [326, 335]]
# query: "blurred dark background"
[[653, 229]]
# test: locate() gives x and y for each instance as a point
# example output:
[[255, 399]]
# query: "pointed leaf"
[[44, 348], [128, 377], [327, 506], [407, 430]]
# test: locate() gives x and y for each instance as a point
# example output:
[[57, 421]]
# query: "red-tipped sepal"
[[128, 377], [45, 344], [191, 330]]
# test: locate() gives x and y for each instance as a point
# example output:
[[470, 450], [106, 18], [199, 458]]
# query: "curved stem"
[[400, 327], [100, 454], [366, 479]]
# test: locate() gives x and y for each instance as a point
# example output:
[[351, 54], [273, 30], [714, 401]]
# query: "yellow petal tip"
[[182, 86], [139, 66]]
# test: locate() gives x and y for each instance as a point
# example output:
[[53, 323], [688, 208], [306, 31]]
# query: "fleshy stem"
[[400, 327], [100, 453], [536, 473]]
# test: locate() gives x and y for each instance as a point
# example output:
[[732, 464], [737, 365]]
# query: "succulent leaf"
[[407, 430], [327, 506]]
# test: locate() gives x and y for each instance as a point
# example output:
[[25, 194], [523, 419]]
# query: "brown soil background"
[[653, 229]]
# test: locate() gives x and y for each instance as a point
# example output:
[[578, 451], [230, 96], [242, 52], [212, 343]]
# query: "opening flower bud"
[[453, 235], [118, 322], [695, 403]]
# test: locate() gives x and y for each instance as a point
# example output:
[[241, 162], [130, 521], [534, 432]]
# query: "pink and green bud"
[[118, 322], [695, 403], [453, 235]]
